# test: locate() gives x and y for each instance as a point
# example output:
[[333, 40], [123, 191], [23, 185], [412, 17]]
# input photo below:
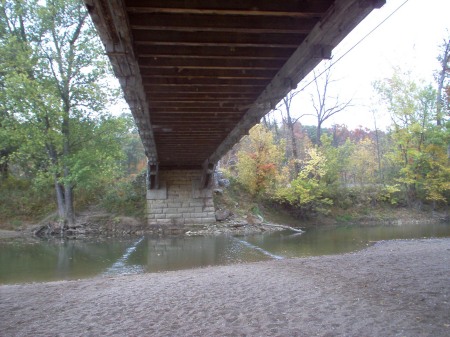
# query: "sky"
[[410, 39]]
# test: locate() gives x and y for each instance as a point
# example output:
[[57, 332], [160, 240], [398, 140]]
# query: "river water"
[[39, 260]]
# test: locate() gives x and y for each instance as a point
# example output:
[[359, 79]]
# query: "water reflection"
[[55, 260], [341, 239], [174, 253]]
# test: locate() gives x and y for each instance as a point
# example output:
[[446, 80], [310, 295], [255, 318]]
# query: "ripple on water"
[[120, 267]]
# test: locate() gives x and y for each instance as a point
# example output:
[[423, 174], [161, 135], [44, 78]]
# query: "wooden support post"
[[152, 176], [207, 175]]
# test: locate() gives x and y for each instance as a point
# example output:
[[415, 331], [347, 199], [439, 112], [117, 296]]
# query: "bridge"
[[199, 74]]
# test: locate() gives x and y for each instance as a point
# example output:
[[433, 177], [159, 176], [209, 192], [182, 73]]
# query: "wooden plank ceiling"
[[194, 71]]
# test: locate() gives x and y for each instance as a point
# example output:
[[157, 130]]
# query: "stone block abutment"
[[180, 200]]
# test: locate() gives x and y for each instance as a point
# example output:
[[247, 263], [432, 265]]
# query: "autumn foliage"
[[406, 165], [259, 162]]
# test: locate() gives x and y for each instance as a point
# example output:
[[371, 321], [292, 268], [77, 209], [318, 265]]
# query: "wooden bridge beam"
[[207, 175], [344, 16], [152, 175]]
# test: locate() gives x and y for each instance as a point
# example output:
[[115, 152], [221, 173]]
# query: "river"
[[49, 260]]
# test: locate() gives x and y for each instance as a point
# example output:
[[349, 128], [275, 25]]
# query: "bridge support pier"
[[180, 199]]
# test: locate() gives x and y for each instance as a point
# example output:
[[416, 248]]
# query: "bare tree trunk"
[[319, 132], [290, 125], [68, 197], [378, 148], [290, 122], [323, 110], [442, 75], [59, 188], [68, 188], [60, 199]]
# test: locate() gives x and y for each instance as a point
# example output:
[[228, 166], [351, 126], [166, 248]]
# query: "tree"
[[306, 192], [363, 163], [289, 121], [323, 109], [419, 146], [8, 143], [336, 163], [378, 147], [259, 161], [444, 73], [54, 95], [443, 90]]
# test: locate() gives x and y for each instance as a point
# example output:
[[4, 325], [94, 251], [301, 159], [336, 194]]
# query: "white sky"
[[409, 39]]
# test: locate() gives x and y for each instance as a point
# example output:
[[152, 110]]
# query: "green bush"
[[20, 202], [126, 197], [390, 194]]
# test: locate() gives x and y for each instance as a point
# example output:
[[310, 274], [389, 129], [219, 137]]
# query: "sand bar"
[[394, 288]]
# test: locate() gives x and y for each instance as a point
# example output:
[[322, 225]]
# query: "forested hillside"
[[63, 148], [407, 165]]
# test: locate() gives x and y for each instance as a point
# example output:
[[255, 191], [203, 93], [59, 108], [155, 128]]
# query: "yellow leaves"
[[419, 146], [259, 161], [363, 161], [437, 181], [307, 189], [416, 128], [314, 167], [389, 194]]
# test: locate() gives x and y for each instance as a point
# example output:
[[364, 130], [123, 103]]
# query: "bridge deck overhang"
[[199, 74]]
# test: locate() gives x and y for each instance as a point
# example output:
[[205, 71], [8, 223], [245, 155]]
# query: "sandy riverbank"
[[395, 288]]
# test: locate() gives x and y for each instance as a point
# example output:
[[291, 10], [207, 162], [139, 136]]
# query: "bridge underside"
[[199, 74]]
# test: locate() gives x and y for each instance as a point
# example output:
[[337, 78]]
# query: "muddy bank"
[[8, 234], [95, 222], [105, 225], [395, 288]]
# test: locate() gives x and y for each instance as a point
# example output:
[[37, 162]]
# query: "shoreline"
[[392, 288], [131, 227]]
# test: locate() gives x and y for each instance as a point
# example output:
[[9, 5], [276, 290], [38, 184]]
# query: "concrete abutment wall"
[[179, 200]]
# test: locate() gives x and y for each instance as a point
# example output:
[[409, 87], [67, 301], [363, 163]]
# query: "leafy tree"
[[306, 192], [337, 161], [419, 146], [54, 96], [442, 80], [363, 164], [259, 161]]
